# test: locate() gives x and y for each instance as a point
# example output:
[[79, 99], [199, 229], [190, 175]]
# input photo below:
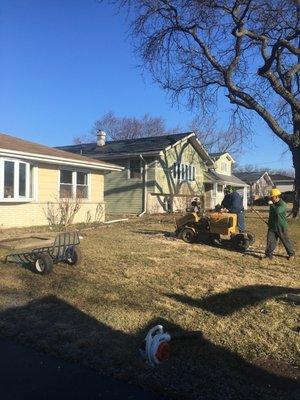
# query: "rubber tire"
[[75, 258], [251, 238], [240, 244], [188, 235], [214, 240], [43, 265]]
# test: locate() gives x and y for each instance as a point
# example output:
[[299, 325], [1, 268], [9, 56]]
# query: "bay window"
[[73, 184], [16, 180]]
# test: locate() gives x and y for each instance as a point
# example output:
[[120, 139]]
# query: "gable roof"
[[148, 146], [280, 177], [216, 156], [228, 179], [11, 146], [251, 177]]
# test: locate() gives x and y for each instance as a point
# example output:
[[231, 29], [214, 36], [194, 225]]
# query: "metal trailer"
[[42, 259]]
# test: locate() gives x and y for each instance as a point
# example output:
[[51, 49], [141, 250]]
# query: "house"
[[222, 176], [283, 183], [33, 177], [160, 173], [260, 184]]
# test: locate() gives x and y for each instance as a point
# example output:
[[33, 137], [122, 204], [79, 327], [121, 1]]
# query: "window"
[[223, 167], [73, 184], [66, 184], [9, 179], [16, 180], [184, 172], [22, 180], [82, 185], [174, 170], [135, 169], [220, 188]]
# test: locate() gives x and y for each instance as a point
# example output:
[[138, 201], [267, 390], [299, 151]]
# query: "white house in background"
[[221, 176], [260, 183], [283, 183]]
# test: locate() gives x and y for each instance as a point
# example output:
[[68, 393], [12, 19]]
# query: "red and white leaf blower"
[[155, 348]]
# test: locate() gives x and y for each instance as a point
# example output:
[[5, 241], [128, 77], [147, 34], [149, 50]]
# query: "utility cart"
[[41, 260]]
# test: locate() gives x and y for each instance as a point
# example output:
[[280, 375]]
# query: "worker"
[[278, 226], [233, 203], [196, 205]]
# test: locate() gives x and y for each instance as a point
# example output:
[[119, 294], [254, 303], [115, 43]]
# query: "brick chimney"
[[101, 138]]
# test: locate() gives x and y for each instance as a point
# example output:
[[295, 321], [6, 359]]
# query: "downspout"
[[145, 186]]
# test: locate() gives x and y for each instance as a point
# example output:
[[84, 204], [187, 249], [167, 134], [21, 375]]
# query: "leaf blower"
[[155, 348]]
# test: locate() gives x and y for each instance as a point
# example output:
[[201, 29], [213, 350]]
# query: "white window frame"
[[224, 166], [184, 172], [17, 198], [74, 183]]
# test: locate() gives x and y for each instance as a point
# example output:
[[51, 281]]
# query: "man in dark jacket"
[[233, 202], [278, 226]]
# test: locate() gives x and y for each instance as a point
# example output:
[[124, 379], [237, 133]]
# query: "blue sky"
[[64, 63]]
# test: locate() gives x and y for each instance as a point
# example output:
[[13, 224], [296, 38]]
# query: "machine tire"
[[215, 240], [73, 255], [43, 265], [251, 238], [188, 235], [240, 242]]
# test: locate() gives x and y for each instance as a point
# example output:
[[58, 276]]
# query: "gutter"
[[145, 187], [59, 160]]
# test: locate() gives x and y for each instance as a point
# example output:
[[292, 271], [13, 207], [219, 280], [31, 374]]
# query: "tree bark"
[[296, 162]]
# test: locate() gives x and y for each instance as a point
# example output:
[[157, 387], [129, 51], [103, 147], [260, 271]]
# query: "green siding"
[[123, 195], [126, 196], [183, 153]]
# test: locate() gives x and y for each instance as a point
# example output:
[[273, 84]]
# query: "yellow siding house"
[[35, 179]]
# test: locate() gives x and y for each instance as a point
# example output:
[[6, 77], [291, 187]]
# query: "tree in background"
[[247, 50], [262, 169], [120, 128], [228, 140]]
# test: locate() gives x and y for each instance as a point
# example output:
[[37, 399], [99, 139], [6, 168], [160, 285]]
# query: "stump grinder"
[[218, 228]]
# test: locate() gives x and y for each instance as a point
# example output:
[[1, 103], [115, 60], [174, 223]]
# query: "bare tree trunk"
[[296, 162]]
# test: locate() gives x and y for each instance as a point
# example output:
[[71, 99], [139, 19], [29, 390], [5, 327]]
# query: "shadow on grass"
[[155, 232], [229, 302], [197, 368]]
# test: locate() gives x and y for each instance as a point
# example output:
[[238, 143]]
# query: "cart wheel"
[[188, 235], [73, 255], [43, 264]]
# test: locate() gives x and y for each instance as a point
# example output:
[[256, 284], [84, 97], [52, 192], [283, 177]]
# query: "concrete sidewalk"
[[28, 374]]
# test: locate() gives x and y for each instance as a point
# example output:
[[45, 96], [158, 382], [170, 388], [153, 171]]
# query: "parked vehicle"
[[288, 196]]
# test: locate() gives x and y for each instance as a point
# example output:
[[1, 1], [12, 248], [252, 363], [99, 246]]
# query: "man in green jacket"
[[278, 226]]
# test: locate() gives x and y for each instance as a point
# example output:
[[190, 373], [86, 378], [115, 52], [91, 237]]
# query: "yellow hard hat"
[[275, 192]]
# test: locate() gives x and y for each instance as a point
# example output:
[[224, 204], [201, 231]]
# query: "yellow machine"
[[219, 228]]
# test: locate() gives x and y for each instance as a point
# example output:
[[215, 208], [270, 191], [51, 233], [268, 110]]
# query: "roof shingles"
[[153, 144], [12, 143]]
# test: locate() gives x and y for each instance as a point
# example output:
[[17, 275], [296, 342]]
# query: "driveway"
[[28, 374]]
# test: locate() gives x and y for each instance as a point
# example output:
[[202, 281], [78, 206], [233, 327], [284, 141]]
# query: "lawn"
[[134, 275]]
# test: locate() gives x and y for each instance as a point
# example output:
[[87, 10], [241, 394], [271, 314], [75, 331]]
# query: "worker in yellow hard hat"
[[278, 226]]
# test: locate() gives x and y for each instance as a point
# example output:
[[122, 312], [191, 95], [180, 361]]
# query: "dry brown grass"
[[134, 276]]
